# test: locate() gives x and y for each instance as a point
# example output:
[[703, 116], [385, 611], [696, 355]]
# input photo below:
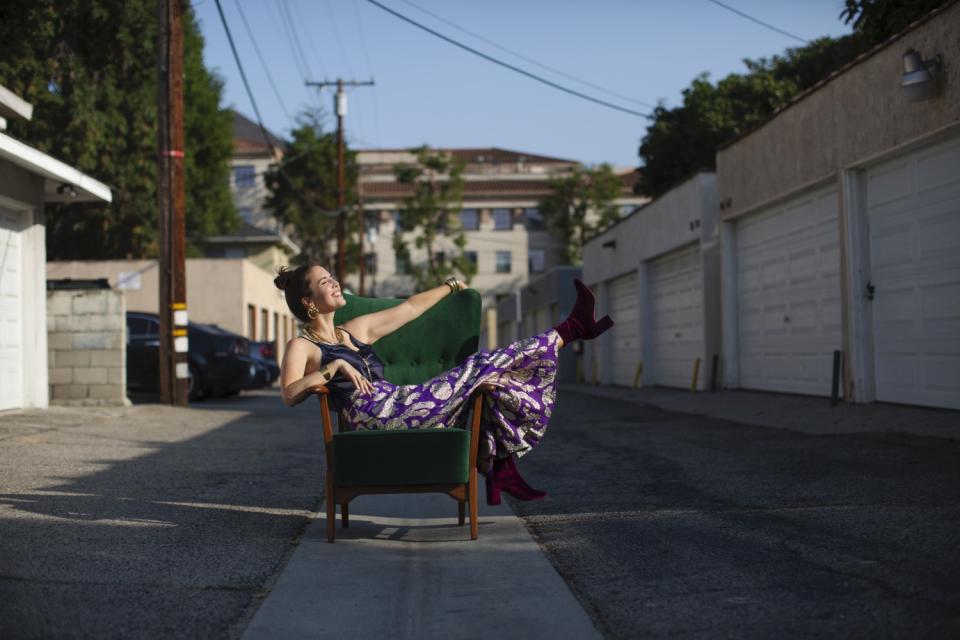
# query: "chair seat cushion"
[[414, 456]]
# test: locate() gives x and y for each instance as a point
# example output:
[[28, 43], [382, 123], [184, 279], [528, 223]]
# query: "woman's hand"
[[350, 372]]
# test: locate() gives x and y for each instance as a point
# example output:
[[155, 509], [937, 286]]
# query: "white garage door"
[[625, 335], [914, 219], [676, 295], [11, 310], [788, 295]]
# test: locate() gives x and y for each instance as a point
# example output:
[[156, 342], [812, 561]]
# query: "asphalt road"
[[667, 524], [151, 521]]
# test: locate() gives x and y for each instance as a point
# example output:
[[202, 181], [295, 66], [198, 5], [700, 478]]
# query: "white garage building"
[[841, 231], [28, 178], [656, 272]]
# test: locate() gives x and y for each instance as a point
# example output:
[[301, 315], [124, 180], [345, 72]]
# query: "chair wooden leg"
[[345, 514], [473, 503], [331, 510], [461, 512]]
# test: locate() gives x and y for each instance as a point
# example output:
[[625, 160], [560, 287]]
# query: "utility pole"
[[340, 108], [174, 370]]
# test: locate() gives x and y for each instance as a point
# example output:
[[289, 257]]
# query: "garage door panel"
[[676, 295], [915, 268], [789, 326], [11, 310], [938, 167], [625, 334]]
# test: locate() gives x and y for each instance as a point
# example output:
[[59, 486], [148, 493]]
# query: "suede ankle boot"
[[581, 324]]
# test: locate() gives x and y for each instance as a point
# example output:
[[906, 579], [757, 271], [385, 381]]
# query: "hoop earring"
[[312, 312]]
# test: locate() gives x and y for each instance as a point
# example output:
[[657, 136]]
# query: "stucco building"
[[28, 180]]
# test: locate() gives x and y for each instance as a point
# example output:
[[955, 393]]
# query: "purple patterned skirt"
[[516, 413]]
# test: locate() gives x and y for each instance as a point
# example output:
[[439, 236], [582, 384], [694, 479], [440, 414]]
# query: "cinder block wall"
[[86, 343]]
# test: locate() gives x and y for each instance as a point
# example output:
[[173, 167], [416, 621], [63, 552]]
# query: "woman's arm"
[[371, 327], [294, 385]]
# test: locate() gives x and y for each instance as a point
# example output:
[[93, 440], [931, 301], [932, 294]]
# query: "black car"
[[265, 353], [219, 361]]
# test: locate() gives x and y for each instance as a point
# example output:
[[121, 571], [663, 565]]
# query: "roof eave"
[[55, 172]]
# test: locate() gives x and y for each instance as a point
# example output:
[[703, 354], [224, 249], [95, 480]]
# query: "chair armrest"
[[486, 387], [320, 390]]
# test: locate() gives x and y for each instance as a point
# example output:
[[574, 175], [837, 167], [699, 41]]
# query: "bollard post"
[[636, 376], [835, 386], [696, 373], [713, 373]]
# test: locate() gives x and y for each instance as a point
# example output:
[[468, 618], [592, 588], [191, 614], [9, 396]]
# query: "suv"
[[219, 361]]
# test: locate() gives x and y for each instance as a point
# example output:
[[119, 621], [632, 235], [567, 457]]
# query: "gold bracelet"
[[453, 283]]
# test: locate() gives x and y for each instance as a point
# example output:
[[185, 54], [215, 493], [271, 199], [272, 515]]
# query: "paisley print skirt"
[[516, 413]]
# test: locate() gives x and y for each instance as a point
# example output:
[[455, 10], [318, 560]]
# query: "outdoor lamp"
[[918, 81]]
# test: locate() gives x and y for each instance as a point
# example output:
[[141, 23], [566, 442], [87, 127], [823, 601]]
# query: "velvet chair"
[[439, 460]]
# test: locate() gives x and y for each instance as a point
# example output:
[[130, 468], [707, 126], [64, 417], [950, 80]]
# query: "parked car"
[[265, 353], [219, 361]]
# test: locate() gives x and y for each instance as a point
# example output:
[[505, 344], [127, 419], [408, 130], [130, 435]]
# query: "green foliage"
[[437, 183], [877, 20], [90, 70], [580, 203], [683, 140], [304, 194]]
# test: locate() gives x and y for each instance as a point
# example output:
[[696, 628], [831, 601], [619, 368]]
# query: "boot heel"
[[493, 492]]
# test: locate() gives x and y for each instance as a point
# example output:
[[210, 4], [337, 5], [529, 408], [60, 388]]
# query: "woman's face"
[[324, 290]]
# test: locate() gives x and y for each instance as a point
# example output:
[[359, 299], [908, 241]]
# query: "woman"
[[341, 357]]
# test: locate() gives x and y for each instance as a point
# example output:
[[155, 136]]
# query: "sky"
[[429, 92]]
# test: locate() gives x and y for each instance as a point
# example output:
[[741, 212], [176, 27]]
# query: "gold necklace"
[[311, 333]]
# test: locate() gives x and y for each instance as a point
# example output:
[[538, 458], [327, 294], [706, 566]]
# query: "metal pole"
[[362, 225], [340, 108], [171, 199]]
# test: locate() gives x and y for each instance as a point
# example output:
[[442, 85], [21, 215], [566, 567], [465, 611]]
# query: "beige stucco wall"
[[857, 114], [219, 291]]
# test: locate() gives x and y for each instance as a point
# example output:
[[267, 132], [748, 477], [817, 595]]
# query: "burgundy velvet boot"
[[504, 476], [581, 324]]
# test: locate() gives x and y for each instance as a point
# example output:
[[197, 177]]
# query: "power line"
[[256, 109], [507, 65], [306, 71], [760, 22], [266, 69], [526, 58]]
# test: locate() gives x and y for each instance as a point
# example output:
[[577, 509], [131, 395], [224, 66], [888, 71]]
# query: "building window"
[[401, 264], [371, 225], [276, 327], [244, 176], [627, 209], [538, 260], [245, 213], [471, 257], [398, 222], [502, 219], [370, 263], [264, 325], [440, 258], [252, 321], [534, 219], [503, 261], [470, 219]]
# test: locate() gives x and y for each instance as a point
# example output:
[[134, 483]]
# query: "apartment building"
[[506, 234]]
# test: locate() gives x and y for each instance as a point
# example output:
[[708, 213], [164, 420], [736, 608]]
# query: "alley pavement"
[[670, 514]]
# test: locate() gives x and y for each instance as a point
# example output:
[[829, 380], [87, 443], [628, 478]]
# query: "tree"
[[90, 70], [303, 189], [580, 203], [437, 183], [684, 139], [880, 19]]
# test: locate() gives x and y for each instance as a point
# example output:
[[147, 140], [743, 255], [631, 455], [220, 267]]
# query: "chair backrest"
[[440, 339]]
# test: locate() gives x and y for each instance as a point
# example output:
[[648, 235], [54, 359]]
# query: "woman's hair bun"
[[283, 277]]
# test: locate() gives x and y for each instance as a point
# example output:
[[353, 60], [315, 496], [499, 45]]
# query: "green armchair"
[[440, 460]]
